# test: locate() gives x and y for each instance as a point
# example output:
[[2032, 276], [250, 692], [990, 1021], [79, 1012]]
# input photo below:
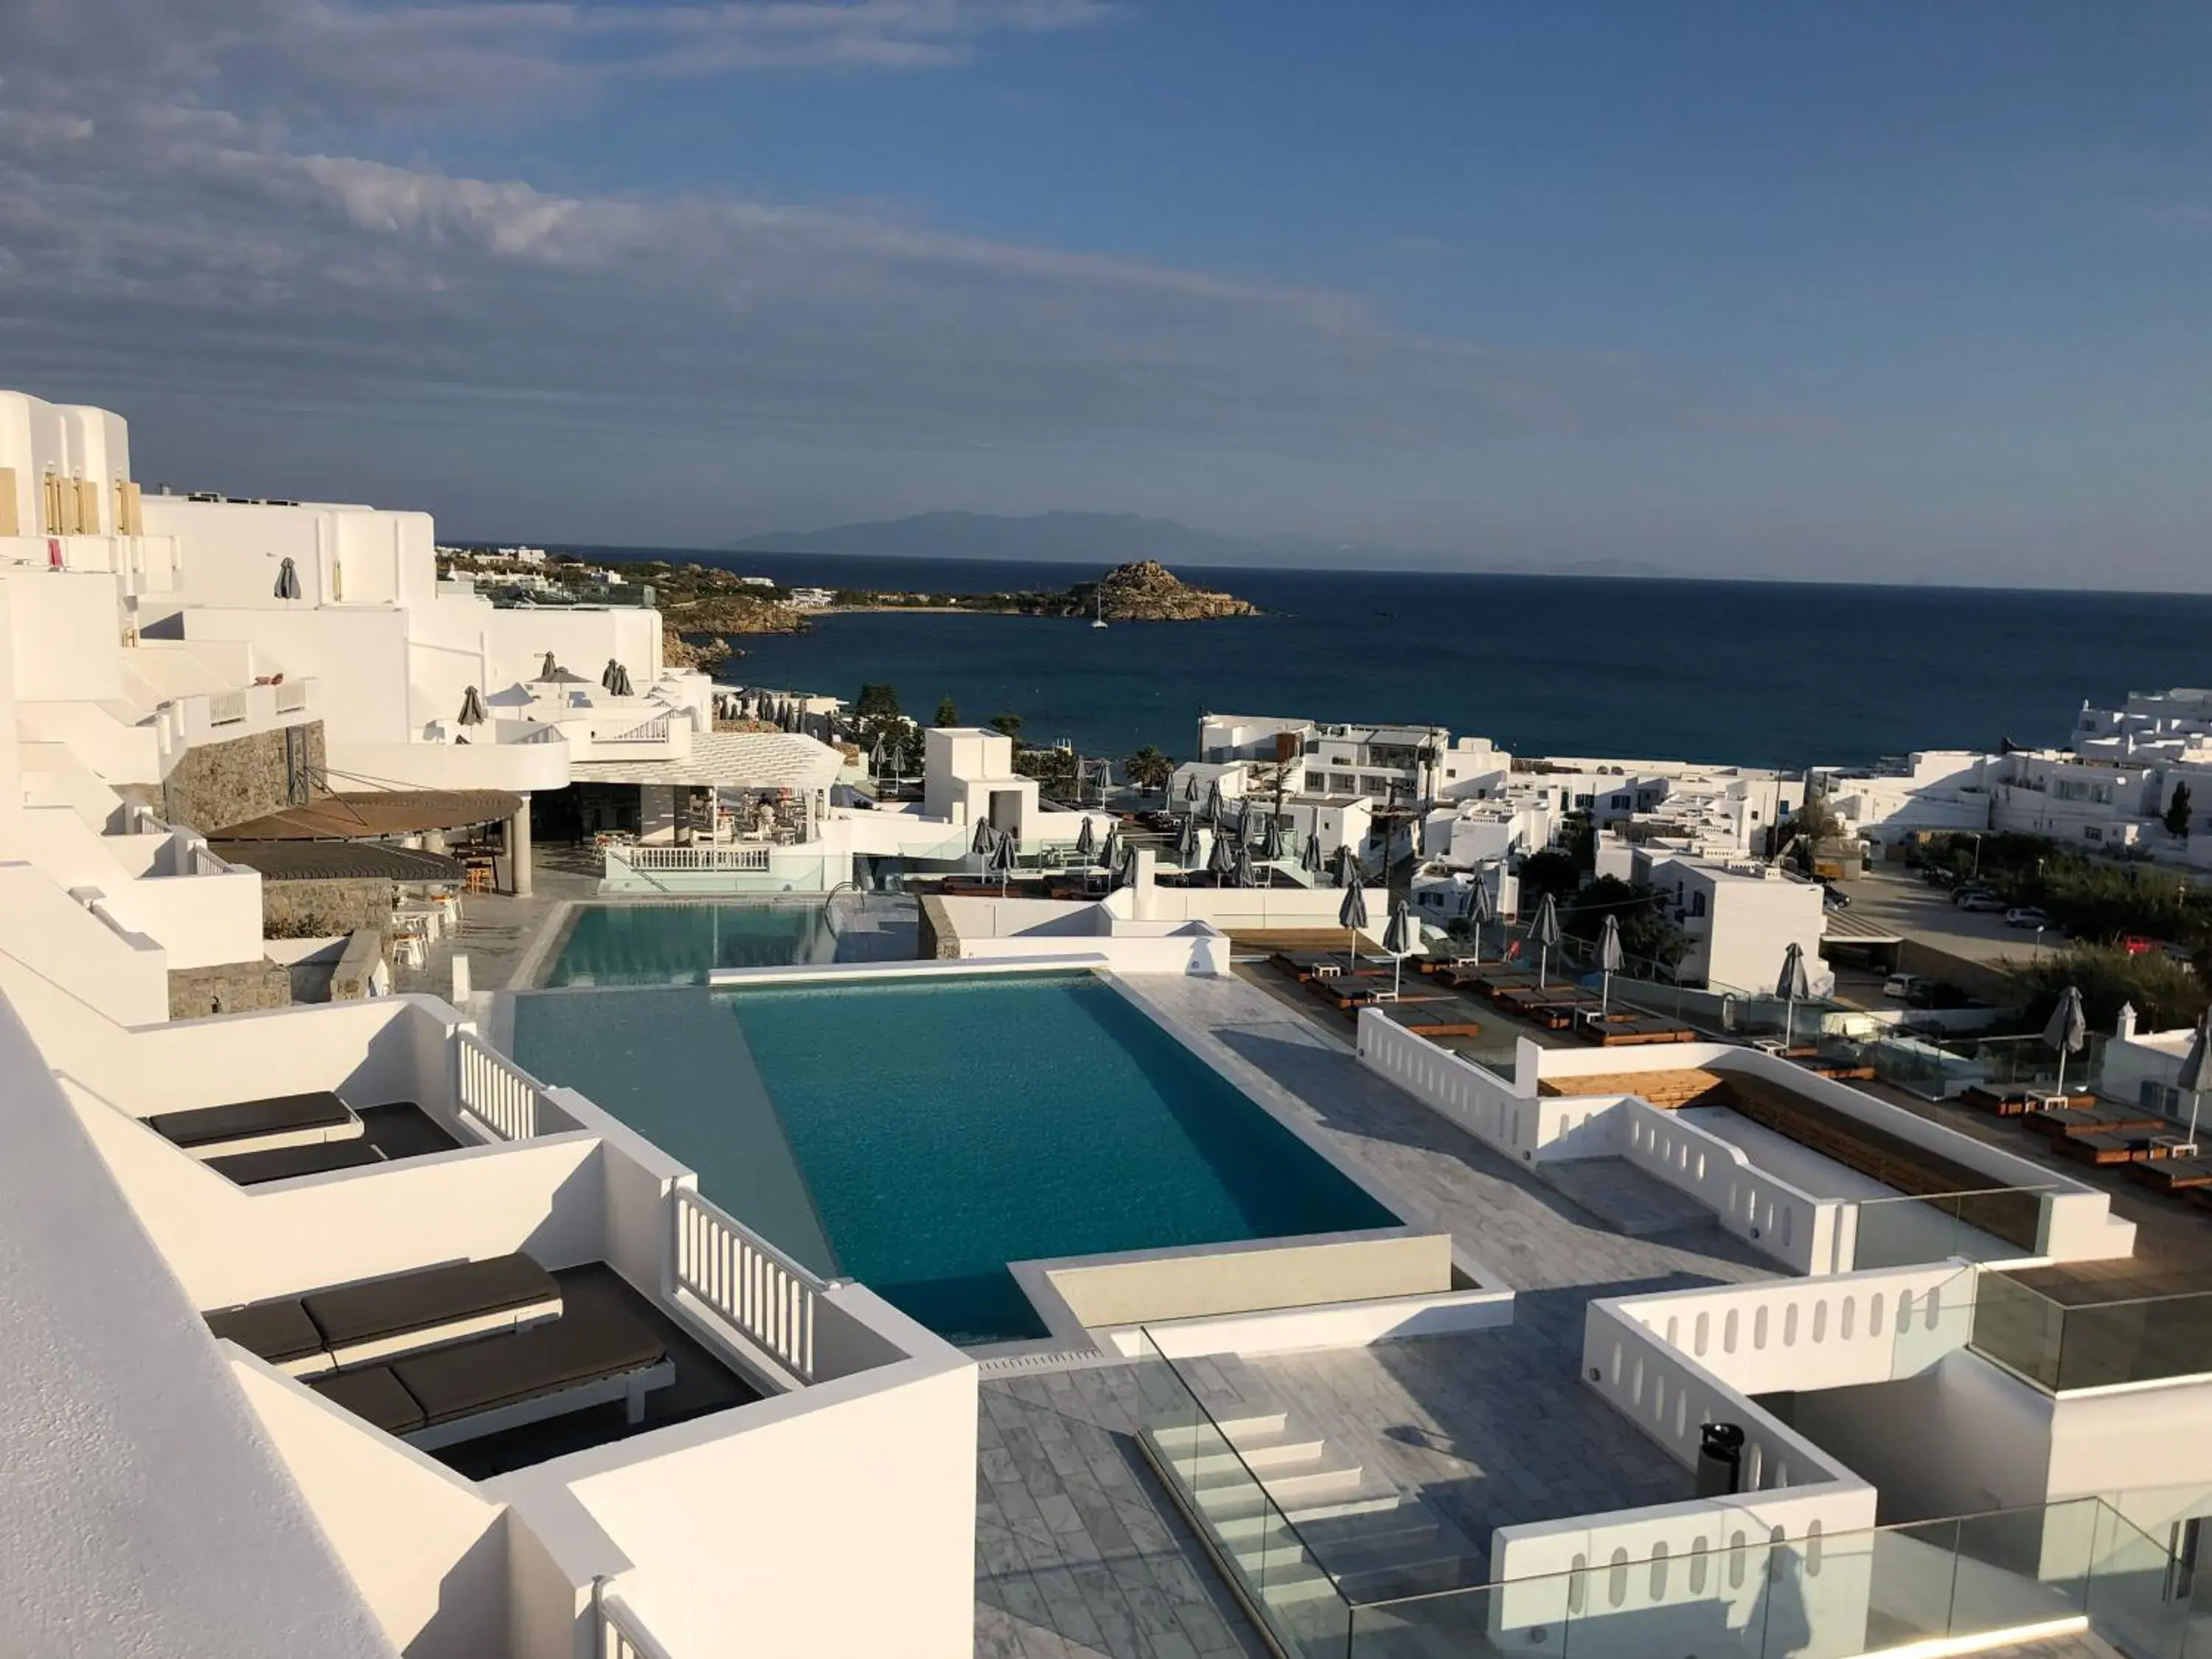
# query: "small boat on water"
[[1098, 610]]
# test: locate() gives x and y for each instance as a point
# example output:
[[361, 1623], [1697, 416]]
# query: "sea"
[[1756, 673]]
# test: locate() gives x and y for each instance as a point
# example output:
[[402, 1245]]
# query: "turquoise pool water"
[[919, 1135], [678, 943]]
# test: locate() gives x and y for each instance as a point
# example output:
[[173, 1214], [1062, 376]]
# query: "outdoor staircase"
[[1349, 1533]]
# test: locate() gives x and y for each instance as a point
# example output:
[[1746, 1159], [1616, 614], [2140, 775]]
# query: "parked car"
[[1834, 897], [1902, 986], [2027, 916], [1979, 898]]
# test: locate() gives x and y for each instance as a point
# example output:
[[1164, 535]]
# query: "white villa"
[[336, 1329]]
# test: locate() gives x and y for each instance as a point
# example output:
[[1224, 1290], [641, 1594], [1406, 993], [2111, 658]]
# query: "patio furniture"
[[2069, 1119], [283, 1162], [2101, 1146], [1343, 991], [1431, 1021], [494, 1383], [1618, 1029], [1310, 964], [379, 1319], [244, 1126], [2173, 1174]]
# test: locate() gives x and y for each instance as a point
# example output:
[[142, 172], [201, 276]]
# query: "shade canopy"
[[1110, 855], [1347, 868], [984, 838], [375, 815], [1244, 873], [1480, 910], [1309, 858], [1608, 945], [607, 674], [2196, 1075], [1190, 787], [1353, 913], [288, 578], [1398, 937], [1086, 843], [1222, 859], [2068, 1030], [1793, 982], [1545, 929], [1187, 842], [338, 861], [621, 688], [473, 712]]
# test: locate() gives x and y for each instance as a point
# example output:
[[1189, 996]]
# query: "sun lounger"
[[1310, 964], [354, 1324], [2173, 1174], [1431, 1021], [280, 1332], [1619, 1030], [496, 1383], [1499, 980], [2103, 1146], [412, 1311], [254, 1126], [2070, 1120], [1350, 990], [283, 1162]]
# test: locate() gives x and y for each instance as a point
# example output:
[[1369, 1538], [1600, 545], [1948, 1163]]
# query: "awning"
[[1842, 927], [337, 860], [371, 815], [729, 760]]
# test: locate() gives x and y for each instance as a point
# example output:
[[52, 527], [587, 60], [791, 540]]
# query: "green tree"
[[1054, 768], [1148, 768], [2165, 994], [878, 701], [1007, 723], [1578, 840], [1548, 871], [2177, 812], [1648, 938], [946, 714]]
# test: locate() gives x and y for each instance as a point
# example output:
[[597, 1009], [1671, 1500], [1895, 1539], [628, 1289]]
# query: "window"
[[1697, 904], [1316, 782], [2091, 832], [1582, 802], [1618, 803]]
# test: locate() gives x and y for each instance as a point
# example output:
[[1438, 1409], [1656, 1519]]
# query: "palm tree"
[[1148, 768]]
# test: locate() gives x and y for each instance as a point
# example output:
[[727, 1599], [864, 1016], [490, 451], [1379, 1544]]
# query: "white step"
[[1172, 1437], [1287, 1489], [1239, 1508]]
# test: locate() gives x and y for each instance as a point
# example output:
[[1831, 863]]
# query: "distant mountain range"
[[1105, 538]]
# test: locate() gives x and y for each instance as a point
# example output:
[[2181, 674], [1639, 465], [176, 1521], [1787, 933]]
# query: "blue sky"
[[1883, 292]]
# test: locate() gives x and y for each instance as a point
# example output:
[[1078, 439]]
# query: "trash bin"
[[1720, 1460]]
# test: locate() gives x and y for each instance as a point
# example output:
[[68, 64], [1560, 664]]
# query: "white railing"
[[496, 1092], [1792, 1226], [653, 731], [226, 707], [291, 696], [747, 1280], [1467, 1094], [753, 857], [621, 1634]]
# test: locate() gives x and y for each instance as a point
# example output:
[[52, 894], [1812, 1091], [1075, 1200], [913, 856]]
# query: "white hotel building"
[[332, 1330]]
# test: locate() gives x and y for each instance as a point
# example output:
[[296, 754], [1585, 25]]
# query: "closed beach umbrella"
[[2195, 1076], [1271, 838], [549, 668], [1187, 842], [1086, 842], [1792, 985], [876, 755], [1608, 961], [1222, 862], [982, 842], [621, 688], [1190, 789], [287, 580], [1352, 915], [1478, 910], [1347, 868], [1398, 940], [472, 707], [607, 674], [1110, 855], [1309, 858], [1544, 930], [2068, 1030], [1003, 858], [1213, 801], [1125, 872], [1244, 876]]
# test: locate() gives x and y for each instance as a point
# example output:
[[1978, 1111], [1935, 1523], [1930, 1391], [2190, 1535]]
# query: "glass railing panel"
[[2020, 1328], [2137, 1341], [1248, 1529], [1998, 1224], [2135, 1599], [1529, 1616], [1909, 1573], [2021, 1568]]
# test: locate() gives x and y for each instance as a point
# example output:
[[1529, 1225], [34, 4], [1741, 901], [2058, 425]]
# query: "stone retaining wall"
[[228, 988], [216, 785]]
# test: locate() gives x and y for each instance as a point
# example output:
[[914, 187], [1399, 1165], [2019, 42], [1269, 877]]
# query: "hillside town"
[[538, 1148]]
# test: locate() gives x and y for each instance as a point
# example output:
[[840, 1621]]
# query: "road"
[[1926, 914]]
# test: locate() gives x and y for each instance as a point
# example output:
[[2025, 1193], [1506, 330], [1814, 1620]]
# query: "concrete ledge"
[[1142, 1286], [1336, 1325]]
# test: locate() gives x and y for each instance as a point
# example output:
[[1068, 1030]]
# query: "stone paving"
[[1079, 1550]]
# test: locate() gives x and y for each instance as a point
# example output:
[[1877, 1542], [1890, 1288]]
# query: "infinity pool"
[[664, 943], [920, 1135]]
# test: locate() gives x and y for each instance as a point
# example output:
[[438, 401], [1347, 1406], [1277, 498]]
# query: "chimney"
[[2124, 1027]]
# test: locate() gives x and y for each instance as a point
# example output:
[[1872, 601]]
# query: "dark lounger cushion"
[[423, 1301], [282, 1162], [277, 1331], [500, 1370], [374, 1395], [245, 1118]]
